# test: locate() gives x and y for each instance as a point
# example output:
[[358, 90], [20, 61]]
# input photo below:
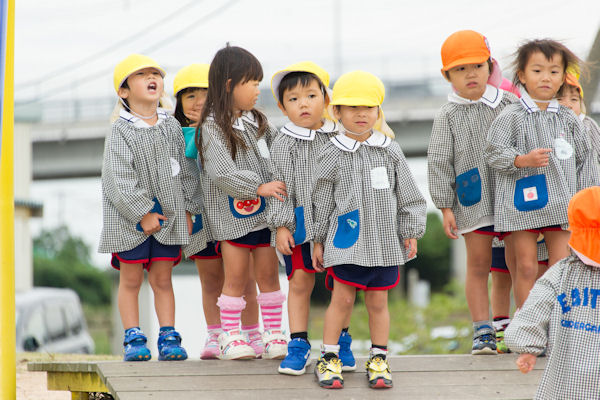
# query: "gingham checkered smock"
[[365, 202], [562, 312], [140, 164], [232, 206], [520, 128], [294, 153], [199, 239], [593, 131], [459, 178]]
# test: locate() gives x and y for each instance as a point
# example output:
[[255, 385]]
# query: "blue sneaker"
[[135, 346], [346, 356], [297, 358], [484, 341], [169, 347]]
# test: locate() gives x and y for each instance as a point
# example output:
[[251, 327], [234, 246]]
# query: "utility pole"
[[590, 88]]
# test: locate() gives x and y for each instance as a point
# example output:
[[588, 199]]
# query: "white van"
[[51, 320]]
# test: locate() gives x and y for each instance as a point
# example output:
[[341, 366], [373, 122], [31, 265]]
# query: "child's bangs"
[[253, 71]]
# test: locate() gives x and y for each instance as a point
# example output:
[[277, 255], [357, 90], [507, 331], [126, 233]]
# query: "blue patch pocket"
[[189, 134], [300, 232], [156, 209], [197, 223], [347, 230], [531, 193], [468, 187], [246, 208]]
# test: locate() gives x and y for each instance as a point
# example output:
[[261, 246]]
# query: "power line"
[[86, 60], [102, 73]]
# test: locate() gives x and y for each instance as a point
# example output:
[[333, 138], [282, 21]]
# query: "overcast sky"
[[394, 39]]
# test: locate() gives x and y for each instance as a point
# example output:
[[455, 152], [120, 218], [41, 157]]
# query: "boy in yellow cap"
[[147, 201], [368, 215], [562, 312], [460, 181]]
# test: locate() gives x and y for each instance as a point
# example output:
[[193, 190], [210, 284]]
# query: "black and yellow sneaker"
[[379, 373], [329, 372]]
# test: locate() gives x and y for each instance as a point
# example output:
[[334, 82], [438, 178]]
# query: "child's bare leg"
[[131, 277], [338, 312], [557, 243], [159, 277], [235, 263], [266, 269], [524, 245], [212, 277], [250, 313], [542, 268], [500, 296], [301, 287], [479, 260], [379, 316]]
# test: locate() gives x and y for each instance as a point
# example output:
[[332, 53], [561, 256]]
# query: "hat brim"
[[465, 61], [354, 101], [162, 73]]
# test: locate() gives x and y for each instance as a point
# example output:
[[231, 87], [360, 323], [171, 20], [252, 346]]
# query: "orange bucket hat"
[[572, 78], [584, 224]]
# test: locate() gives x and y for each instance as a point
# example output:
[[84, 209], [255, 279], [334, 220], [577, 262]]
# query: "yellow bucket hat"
[[360, 88], [584, 224], [193, 75], [304, 66], [572, 78], [129, 65]]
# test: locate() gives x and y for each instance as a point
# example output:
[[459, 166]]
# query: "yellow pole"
[[8, 380]]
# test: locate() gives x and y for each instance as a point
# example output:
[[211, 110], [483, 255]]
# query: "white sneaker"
[[233, 346], [275, 344]]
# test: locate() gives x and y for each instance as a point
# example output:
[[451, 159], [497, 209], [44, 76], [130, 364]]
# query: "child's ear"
[[326, 100], [123, 92], [228, 85], [521, 76], [336, 113], [445, 74], [282, 108]]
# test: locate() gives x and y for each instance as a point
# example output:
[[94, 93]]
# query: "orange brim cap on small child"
[[469, 47], [572, 78], [584, 224]]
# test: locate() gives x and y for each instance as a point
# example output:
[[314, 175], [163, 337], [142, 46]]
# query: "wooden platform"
[[460, 377]]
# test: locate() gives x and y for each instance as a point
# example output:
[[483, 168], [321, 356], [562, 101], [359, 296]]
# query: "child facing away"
[[233, 145], [368, 215], [571, 96], [190, 87], [460, 182], [302, 95], [561, 315], [542, 157], [147, 199]]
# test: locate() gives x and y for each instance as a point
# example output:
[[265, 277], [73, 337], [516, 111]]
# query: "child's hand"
[[317, 259], [190, 223], [275, 189], [526, 362], [411, 246], [535, 158], [150, 223], [449, 223], [194, 117], [284, 241]]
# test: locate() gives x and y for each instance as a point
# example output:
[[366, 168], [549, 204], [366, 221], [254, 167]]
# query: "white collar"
[[299, 132], [492, 96], [140, 123], [581, 116], [346, 143], [247, 116], [530, 106]]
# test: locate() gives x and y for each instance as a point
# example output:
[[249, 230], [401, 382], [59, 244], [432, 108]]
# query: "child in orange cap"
[[562, 314], [460, 181]]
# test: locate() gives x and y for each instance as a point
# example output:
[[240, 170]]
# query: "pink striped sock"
[[231, 311], [251, 331], [271, 308]]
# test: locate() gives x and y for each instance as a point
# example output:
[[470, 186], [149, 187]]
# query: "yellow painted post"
[[8, 380]]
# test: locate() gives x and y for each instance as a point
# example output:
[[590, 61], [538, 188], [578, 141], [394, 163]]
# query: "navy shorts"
[[210, 252], [487, 230], [300, 259], [252, 240], [146, 253], [363, 278], [498, 260]]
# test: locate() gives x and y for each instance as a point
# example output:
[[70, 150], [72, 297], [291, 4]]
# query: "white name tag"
[[263, 149], [379, 178], [175, 167], [562, 148], [530, 194]]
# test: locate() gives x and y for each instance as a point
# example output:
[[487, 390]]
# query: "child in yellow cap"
[[460, 181], [147, 199], [190, 88], [571, 96], [368, 215], [562, 312]]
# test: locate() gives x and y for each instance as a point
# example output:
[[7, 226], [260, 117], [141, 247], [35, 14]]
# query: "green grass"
[[100, 326]]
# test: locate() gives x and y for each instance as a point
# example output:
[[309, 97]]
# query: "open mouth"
[[152, 86]]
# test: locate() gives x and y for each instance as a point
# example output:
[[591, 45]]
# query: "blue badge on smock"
[[156, 209], [347, 230], [300, 232], [468, 187], [246, 208], [531, 193], [189, 134]]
